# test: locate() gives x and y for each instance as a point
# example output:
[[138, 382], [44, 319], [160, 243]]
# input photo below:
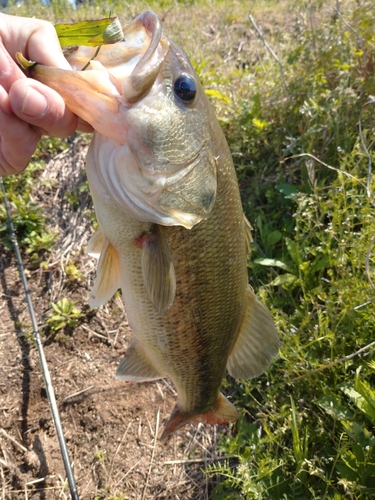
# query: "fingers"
[[30, 100], [36, 39], [42, 107], [17, 139], [50, 54], [28, 108], [9, 71]]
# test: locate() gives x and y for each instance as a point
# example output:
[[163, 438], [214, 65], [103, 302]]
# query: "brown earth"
[[111, 427]]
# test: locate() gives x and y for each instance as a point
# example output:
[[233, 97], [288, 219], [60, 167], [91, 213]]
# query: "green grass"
[[305, 172], [308, 189], [29, 221]]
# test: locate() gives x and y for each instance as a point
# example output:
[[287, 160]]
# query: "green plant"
[[73, 273], [100, 456], [307, 188], [355, 440], [73, 196], [28, 217], [42, 242], [64, 315]]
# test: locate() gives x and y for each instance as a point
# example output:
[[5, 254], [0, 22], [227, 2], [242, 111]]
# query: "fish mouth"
[[116, 78], [147, 69], [134, 64]]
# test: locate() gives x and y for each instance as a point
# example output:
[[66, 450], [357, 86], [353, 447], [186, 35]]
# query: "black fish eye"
[[185, 88]]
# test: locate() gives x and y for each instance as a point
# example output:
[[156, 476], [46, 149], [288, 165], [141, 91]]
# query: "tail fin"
[[223, 413]]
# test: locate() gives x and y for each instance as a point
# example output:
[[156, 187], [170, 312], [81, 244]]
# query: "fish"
[[172, 232]]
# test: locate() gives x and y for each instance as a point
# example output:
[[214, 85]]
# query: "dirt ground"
[[110, 427]]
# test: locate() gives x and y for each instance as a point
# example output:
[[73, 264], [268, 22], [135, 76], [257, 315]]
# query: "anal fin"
[[107, 277], [135, 368], [257, 342]]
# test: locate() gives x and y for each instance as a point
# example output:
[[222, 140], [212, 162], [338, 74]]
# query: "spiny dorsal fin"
[[257, 342], [248, 236], [157, 269], [134, 368], [107, 277], [95, 244]]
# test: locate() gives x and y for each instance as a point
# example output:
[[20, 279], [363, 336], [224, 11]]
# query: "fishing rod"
[[43, 362]]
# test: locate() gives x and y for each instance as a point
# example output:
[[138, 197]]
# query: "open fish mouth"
[[134, 64], [119, 74]]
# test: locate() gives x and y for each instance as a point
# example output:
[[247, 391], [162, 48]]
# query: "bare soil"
[[111, 427]]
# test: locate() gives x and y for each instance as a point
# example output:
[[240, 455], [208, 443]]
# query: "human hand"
[[29, 109]]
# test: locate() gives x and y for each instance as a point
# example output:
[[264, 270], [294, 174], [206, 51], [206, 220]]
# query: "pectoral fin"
[[257, 343], [95, 244], [157, 269], [134, 368], [108, 275]]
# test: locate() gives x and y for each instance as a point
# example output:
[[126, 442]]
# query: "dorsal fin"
[[257, 342], [95, 244], [157, 269], [107, 277]]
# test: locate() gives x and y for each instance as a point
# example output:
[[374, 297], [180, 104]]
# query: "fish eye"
[[185, 88]]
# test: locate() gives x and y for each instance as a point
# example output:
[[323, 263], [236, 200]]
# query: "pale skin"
[[29, 109]]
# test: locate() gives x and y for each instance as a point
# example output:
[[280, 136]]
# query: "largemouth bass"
[[172, 234]]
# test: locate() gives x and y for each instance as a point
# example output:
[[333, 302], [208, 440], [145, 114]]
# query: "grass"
[[306, 179], [300, 124]]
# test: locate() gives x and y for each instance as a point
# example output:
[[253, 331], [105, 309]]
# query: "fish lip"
[[133, 65], [151, 23], [147, 69]]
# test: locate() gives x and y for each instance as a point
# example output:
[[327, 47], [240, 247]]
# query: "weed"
[[28, 217], [100, 456], [355, 440], [73, 273], [64, 315], [313, 229]]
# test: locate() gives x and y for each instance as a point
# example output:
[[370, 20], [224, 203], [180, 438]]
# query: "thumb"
[[41, 107]]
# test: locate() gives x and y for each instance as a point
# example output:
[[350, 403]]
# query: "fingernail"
[[34, 104]]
